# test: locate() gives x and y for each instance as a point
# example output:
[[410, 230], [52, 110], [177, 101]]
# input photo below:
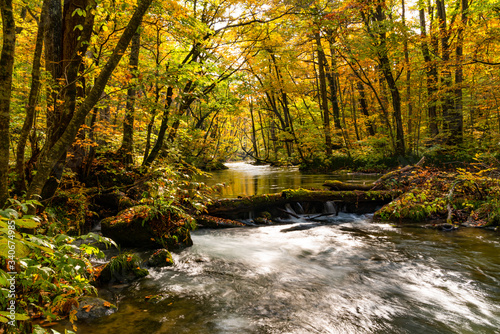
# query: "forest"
[[111, 105]]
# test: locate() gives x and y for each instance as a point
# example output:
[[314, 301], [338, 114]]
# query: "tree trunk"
[[147, 161], [456, 126], [452, 120], [408, 77], [364, 108], [332, 76], [64, 52], [254, 132], [386, 68], [6, 70], [431, 72], [49, 157], [126, 150], [20, 184], [53, 59], [323, 94]]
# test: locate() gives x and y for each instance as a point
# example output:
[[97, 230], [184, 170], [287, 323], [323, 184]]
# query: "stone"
[[93, 308], [161, 258]]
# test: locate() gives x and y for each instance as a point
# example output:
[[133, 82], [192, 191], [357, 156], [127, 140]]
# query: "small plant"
[[51, 272]]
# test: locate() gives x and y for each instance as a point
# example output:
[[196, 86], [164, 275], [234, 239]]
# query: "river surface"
[[244, 179], [342, 274]]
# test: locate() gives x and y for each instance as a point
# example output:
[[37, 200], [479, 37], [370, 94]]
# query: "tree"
[[431, 71], [6, 71], [323, 93], [51, 155], [374, 18], [127, 148], [20, 184]]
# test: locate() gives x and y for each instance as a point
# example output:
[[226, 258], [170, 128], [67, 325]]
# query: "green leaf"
[[62, 238], [3, 278], [19, 317], [21, 250], [9, 213], [79, 12], [27, 223]]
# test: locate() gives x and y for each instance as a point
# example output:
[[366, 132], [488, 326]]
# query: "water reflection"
[[244, 179]]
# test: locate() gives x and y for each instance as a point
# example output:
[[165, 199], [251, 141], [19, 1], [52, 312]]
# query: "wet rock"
[[161, 258], [154, 299], [262, 221], [92, 308], [443, 227], [216, 222]]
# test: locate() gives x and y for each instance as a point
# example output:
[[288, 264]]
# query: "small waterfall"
[[289, 209], [300, 209], [330, 207]]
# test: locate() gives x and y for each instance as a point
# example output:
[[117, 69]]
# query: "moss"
[[143, 226], [227, 208], [266, 215], [473, 199], [290, 193], [123, 268], [161, 258], [71, 209]]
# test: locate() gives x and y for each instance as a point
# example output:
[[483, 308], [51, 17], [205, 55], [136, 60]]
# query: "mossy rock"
[[123, 268], [140, 226], [161, 258], [262, 221], [92, 308], [217, 222], [110, 203], [71, 209]]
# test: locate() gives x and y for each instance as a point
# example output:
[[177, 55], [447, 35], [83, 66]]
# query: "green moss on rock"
[[123, 268], [141, 226], [161, 258]]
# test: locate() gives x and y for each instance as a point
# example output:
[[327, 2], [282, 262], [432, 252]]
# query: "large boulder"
[[143, 226]]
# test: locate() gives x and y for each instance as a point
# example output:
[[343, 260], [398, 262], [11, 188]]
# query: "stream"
[[343, 274]]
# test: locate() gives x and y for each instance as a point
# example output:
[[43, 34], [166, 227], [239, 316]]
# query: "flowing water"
[[345, 275], [341, 274]]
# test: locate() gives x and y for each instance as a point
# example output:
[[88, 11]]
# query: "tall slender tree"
[[127, 148], [6, 71]]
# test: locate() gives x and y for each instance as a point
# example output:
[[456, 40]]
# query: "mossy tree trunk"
[[6, 70], [20, 183], [65, 45]]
